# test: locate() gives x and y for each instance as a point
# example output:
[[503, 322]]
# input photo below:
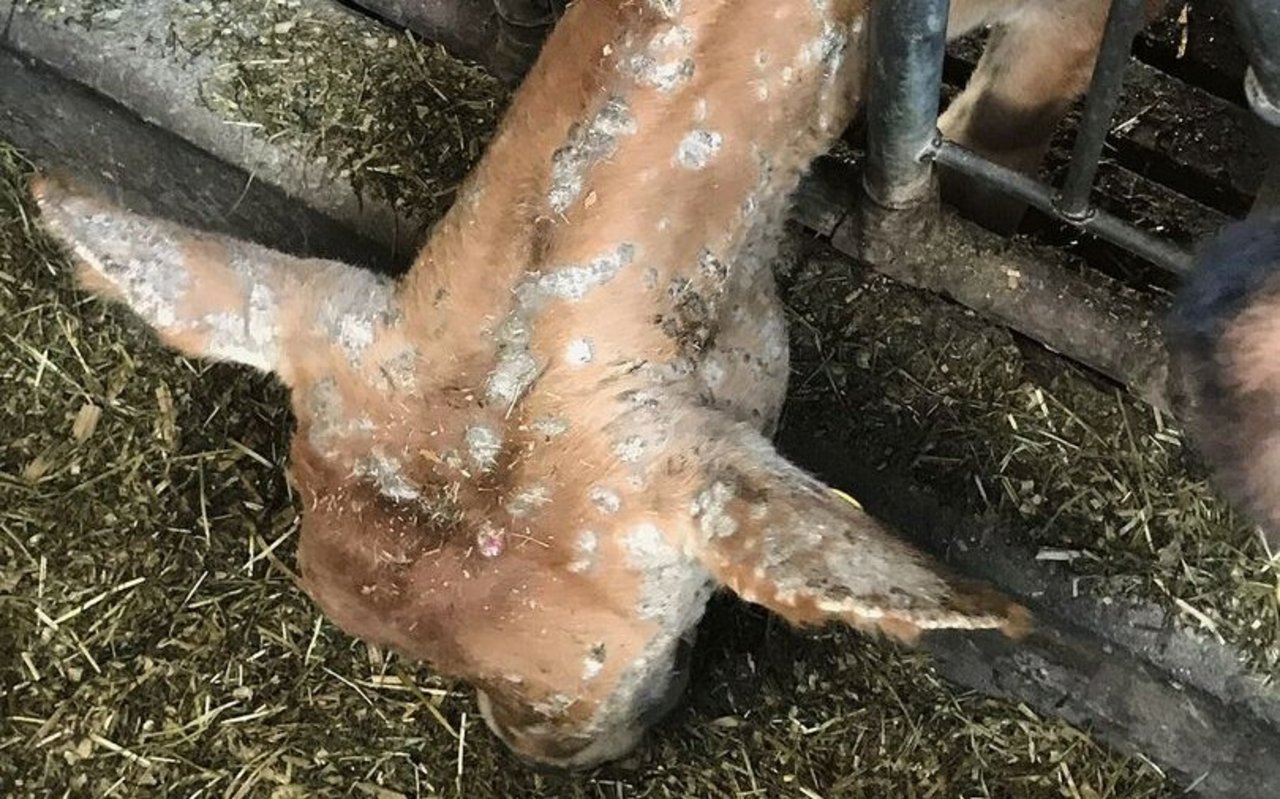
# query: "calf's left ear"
[[781, 538]]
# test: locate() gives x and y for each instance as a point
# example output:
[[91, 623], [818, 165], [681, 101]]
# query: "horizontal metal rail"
[[906, 55], [504, 36], [1095, 221]]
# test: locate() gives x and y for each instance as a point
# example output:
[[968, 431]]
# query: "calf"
[[1224, 334], [531, 460]]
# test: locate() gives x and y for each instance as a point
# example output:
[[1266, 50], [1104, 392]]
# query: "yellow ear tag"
[[855, 503]]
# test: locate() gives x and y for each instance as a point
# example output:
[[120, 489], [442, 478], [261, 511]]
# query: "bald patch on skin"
[[587, 143], [710, 508], [550, 426], [669, 580], [516, 368], [483, 446], [605, 499], [593, 663], [630, 449], [527, 501], [399, 372], [579, 352], [667, 8], [666, 63], [698, 148], [388, 474], [357, 308], [140, 258], [586, 549], [491, 541]]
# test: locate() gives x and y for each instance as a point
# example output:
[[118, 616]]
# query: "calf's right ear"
[[207, 295]]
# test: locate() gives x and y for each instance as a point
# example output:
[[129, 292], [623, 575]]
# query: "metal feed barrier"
[[903, 141], [903, 144]]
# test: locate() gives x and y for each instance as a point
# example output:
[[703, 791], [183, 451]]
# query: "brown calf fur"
[[531, 459], [1224, 335]]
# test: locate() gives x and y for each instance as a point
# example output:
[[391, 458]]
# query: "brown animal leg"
[[1037, 62]]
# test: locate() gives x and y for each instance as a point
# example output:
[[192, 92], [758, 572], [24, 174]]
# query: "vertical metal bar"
[[528, 13], [1123, 22], [908, 42]]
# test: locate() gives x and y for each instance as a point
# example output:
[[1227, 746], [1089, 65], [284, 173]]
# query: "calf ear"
[[1224, 337], [206, 295], [781, 538]]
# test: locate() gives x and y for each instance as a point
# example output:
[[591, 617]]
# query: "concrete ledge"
[[64, 125], [131, 59]]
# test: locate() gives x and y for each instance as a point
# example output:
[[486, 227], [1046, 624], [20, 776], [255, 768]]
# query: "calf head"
[[531, 460], [558, 553]]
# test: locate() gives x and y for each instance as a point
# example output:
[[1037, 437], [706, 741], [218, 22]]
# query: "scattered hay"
[[81, 12], [159, 647], [965, 410], [398, 118]]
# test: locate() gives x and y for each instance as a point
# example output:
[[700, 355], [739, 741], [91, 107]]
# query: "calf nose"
[[545, 748]]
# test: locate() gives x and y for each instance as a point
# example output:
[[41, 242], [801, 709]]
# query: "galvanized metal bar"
[[1105, 226], [1123, 22], [503, 36], [907, 43]]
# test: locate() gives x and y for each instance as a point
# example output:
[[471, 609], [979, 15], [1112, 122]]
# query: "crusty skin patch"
[[532, 459]]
